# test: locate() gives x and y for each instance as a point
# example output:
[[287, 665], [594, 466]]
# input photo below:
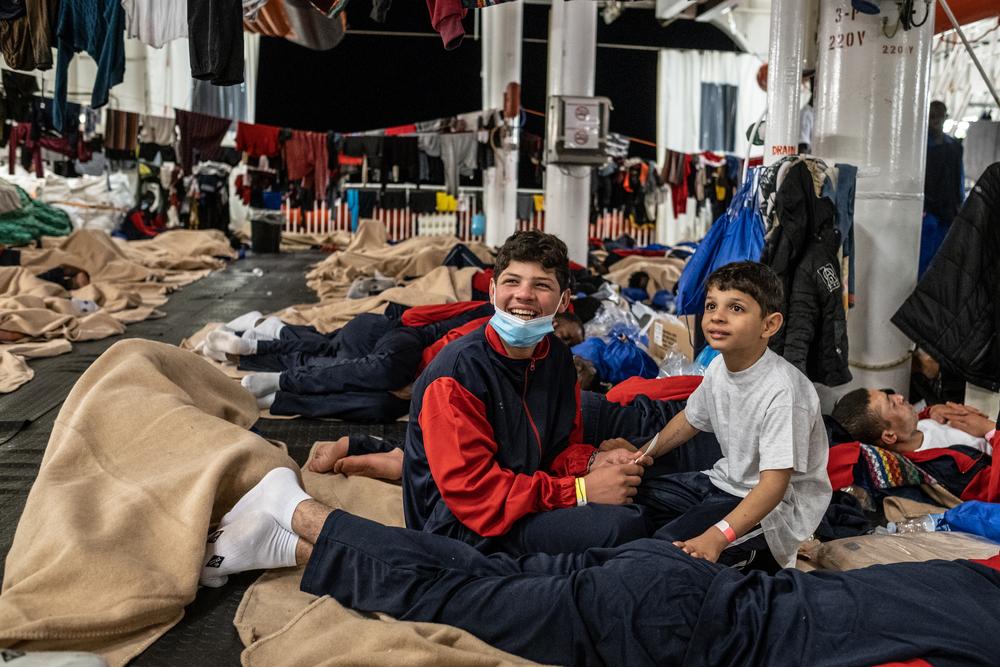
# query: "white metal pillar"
[[501, 66], [871, 111], [789, 20], [572, 61]]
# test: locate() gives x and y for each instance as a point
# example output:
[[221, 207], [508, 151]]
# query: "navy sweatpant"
[[685, 505], [566, 530], [648, 603], [639, 421], [357, 406], [304, 345]]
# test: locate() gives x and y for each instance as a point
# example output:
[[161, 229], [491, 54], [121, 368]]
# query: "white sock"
[[278, 494], [254, 542], [265, 402], [243, 322], [230, 343], [269, 329], [210, 352], [261, 384]]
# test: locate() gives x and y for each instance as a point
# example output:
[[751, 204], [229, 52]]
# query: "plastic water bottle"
[[928, 523]]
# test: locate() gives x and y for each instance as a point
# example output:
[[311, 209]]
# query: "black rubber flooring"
[[206, 635]]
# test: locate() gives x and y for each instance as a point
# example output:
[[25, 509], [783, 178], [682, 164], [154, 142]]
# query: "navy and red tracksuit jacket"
[[492, 439]]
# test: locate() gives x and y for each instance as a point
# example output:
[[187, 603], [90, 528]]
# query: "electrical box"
[[577, 130]]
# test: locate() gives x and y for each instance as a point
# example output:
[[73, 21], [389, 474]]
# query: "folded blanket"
[[441, 285], [369, 252], [150, 448]]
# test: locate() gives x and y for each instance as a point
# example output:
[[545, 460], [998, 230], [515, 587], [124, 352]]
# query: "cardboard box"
[[670, 332]]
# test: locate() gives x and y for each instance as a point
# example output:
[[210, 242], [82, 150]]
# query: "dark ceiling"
[[374, 81]]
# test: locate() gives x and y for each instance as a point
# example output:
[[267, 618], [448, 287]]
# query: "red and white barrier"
[[401, 224]]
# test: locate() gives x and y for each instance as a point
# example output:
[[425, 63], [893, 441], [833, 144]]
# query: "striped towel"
[[887, 469]]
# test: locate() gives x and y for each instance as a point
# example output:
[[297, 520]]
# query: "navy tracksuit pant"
[[648, 603], [639, 421], [303, 345], [373, 355]]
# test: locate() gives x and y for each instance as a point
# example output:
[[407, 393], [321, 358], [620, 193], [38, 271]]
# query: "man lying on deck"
[[643, 603], [877, 417]]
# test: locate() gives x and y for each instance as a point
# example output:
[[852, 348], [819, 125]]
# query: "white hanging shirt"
[[155, 22]]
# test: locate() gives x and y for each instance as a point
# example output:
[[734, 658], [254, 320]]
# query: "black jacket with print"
[[802, 250]]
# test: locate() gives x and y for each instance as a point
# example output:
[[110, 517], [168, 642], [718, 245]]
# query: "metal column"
[[789, 19], [871, 111], [501, 66], [572, 58]]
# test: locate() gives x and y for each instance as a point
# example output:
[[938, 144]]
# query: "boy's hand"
[[617, 443], [708, 545], [620, 456], [613, 484]]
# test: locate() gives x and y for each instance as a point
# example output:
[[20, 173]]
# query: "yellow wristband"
[[581, 492]]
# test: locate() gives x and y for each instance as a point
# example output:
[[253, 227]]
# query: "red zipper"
[[524, 402]]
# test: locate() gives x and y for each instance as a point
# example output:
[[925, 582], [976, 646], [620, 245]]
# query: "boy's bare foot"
[[326, 454]]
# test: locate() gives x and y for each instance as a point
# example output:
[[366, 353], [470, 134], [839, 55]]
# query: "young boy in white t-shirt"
[[766, 416]]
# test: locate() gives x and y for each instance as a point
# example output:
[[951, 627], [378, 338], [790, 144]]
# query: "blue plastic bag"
[[619, 359], [975, 517], [592, 350], [635, 293], [623, 359], [736, 236]]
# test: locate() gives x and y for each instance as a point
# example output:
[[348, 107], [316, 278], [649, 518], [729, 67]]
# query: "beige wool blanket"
[[108, 550], [129, 280], [441, 285], [369, 251], [39, 313], [663, 272], [175, 258], [150, 448]]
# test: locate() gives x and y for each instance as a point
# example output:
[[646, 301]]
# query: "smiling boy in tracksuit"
[[494, 453]]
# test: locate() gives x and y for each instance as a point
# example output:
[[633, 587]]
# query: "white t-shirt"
[[767, 417], [941, 435], [155, 22]]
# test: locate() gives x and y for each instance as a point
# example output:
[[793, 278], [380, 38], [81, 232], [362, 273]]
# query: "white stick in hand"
[[649, 447]]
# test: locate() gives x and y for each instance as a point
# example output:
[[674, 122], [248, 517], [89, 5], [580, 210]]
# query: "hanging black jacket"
[[802, 250], [954, 313]]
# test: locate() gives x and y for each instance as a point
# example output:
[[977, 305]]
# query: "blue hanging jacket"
[[737, 235]]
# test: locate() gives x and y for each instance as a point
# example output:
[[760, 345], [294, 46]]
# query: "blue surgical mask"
[[521, 333]]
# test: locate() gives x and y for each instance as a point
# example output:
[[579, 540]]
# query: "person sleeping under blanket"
[[646, 602], [360, 372], [67, 277]]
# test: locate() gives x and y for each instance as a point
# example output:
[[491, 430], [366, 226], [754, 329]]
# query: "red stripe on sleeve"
[[418, 316], [461, 452]]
